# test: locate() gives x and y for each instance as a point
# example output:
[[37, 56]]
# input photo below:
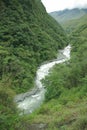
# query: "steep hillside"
[[74, 25], [28, 36], [65, 106], [67, 15]]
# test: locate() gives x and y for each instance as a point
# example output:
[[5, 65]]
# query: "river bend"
[[29, 101]]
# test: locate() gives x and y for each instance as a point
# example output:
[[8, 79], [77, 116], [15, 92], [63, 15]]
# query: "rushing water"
[[29, 101]]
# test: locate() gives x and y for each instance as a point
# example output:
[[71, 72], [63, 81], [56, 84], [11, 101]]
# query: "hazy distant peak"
[[68, 14]]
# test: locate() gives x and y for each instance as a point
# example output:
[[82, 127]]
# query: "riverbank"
[[30, 101]]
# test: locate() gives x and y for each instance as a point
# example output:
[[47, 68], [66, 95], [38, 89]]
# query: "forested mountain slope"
[[68, 14], [28, 36], [65, 105], [73, 25]]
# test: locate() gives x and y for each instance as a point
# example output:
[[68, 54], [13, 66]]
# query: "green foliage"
[[8, 112], [76, 25], [69, 75], [68, 15], [65, 105], [28, 36], [80, 124]]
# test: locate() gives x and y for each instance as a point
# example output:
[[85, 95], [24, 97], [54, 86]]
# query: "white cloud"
[[53, 5]]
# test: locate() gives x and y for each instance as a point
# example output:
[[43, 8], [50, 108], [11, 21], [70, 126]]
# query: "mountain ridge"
[[68, 14], [74, 25], [28, 37]]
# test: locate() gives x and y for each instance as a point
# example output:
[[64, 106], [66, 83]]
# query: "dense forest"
[[65, 106], [28, 36]]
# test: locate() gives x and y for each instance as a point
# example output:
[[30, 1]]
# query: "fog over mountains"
[[68, 14]]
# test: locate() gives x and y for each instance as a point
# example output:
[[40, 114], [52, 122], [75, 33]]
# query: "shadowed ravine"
[[29, 101]]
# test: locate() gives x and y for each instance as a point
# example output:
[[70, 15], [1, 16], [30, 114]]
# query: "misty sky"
[[56, 5]]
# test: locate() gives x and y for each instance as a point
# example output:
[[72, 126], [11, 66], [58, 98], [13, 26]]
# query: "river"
[[29, 101]]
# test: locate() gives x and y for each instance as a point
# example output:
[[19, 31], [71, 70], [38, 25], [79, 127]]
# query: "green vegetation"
[[73, 25], [28, 36], [8, 112], [68, 14], [65, 106]]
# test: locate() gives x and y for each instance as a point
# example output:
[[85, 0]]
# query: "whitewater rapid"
[[29, 101]]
